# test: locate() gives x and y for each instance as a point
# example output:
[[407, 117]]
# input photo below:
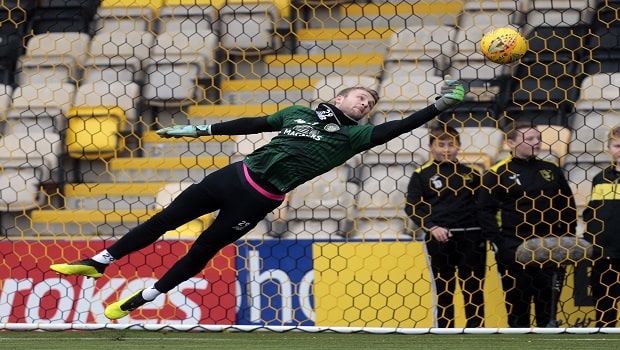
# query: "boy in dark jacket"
[[602, 219], [441, 199], [533, 199]]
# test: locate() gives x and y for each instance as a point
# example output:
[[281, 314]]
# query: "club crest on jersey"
[[547, 175], [331, 127]]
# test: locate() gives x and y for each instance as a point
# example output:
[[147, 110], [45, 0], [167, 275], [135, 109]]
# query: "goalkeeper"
[[309, 143]]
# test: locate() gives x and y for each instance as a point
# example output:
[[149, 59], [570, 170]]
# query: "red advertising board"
[[31, 293]]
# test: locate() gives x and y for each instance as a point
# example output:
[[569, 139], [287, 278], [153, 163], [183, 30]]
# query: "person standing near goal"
[[310, 143], [524, 197], [441, 199], [602, 220]]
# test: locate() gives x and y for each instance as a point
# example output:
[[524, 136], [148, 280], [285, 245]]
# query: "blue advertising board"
[[275, 283]]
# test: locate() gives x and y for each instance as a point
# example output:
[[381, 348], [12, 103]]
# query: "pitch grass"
[[128, 339]]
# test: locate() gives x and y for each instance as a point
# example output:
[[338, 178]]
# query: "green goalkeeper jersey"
[[308, 145]]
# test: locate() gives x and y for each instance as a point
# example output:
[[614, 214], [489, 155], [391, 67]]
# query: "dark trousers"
[[462, 259], [605, 282], [240, 209], [524, 285]]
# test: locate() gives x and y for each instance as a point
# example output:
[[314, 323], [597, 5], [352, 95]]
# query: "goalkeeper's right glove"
[[452, 93], [185, 131]]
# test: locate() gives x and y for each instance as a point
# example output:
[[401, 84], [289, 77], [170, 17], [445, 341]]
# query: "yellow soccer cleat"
[[123, 307], [88, 268]]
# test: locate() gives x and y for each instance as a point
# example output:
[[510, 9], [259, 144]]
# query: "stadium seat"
[[40, 107], [15, 24], [250, 28], [557, 12], [177, 63], [603, 41], [188, 19], [94, 132], [117, 55], [597, 111], [420, 43], [405, 88], [28, 159], [17, 11], [384, 174], [324, 205], [554, 35], [600, 92], [124, 19], [53, 56], [6, 100], [64, 16], [591, 129], [542, 87], [122, 94], [327, 3]]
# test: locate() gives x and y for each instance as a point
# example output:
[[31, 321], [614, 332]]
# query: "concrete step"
[[97, 223], [392, 13], [218, 113], [357, 40], [157, 147], [163, 169], [83, 222], [258, 91], [320, 64], [109, 196]]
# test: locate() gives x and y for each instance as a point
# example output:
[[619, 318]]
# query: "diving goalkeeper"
[[310, 143]]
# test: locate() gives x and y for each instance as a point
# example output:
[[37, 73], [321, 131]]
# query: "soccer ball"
[[503, 45]]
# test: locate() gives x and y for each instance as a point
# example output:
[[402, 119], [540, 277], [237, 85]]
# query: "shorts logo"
[[241, 225]]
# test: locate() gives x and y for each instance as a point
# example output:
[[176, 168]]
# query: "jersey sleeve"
[[360, 137], [276, 120]]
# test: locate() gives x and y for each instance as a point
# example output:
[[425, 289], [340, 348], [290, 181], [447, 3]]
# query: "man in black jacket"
[[534, 200]]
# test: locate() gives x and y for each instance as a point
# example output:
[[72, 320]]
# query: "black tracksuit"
[[444, 194], [534, 200], [602, 219]]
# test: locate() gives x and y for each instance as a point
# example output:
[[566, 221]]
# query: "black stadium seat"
[[64, 16]]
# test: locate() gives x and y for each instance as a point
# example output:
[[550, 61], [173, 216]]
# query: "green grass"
[[128, 339]]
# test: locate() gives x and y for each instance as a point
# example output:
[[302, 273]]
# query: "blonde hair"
[[373, 93], [614, 133]]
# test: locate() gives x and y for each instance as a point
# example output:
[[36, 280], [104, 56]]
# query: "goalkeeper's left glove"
[[185, 131], [452, 93]]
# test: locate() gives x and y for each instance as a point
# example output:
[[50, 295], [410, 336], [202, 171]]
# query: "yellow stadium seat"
[[154, 4], [94, 132]]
